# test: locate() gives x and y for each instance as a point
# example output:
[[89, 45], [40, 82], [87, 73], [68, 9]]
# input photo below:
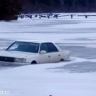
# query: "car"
[[33, 52]]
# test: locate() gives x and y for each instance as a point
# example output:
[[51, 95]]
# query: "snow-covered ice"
[[73, 78]]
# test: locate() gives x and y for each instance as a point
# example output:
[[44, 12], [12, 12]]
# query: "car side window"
[[44, 47], [52, 47]]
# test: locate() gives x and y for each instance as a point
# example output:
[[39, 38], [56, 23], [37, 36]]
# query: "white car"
[[33, 52]]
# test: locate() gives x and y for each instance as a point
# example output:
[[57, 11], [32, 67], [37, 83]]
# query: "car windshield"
[[24, 47]]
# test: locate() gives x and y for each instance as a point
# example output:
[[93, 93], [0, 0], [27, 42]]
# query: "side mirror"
[[43, 52]]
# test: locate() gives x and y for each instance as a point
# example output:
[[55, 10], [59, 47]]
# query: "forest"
[[59, 6]]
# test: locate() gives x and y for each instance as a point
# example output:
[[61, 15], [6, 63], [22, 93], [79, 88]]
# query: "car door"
[[44, 58], [54, 52]]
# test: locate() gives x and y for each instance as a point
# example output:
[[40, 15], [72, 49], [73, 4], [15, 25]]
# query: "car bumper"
[[12, 63]]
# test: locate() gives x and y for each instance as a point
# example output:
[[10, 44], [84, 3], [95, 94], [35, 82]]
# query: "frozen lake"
[[79, 41], [76, 77], [78, 35]]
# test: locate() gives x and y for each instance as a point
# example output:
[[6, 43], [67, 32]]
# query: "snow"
[[38, 81], [50, 79]]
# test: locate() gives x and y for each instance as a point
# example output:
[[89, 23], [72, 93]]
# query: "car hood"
[[16, 54]]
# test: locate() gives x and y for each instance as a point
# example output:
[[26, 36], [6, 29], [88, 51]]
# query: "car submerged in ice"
[[33, 52]]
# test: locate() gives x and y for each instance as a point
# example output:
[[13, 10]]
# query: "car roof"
[[35, 41]]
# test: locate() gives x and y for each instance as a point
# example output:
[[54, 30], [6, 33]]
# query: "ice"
[[76, 77]]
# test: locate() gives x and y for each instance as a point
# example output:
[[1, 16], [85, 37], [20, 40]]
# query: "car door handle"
[[58, 55], [48, 56]]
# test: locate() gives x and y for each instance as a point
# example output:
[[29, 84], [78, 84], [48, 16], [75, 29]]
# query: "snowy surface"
[[74, 78]]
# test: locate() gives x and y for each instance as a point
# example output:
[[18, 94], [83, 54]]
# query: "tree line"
[[10, 9], [60, 6]]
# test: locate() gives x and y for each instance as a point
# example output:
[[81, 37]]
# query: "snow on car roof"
[[36, 41]]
